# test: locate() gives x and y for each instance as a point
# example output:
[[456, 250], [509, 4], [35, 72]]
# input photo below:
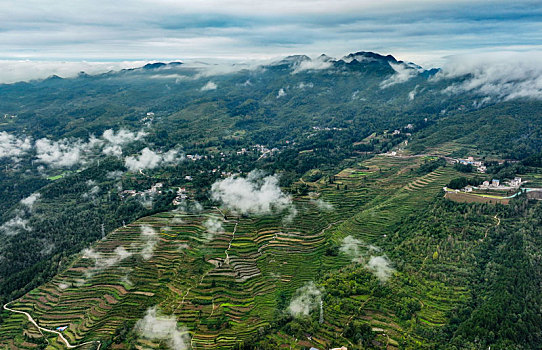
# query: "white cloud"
[[149, 159], [160, 327], [91, 193], [356, 249], [13, 147], [500, 76], [319, 63], [150, 239], [213, 225], [254, 194], [209, 86], [305, 300], [30, 200], [20, 222], [323, 205], [14, 71], [115, 141], [352, 247], [103, 261], [281, 93], [381, 267], [403, 73], [70, 152], [15, 225], [412, 93], [62, 153]]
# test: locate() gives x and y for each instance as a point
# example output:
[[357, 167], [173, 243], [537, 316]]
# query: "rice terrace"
[[230, 285]]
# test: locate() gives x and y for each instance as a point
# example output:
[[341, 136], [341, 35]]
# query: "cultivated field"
[[225, 288]]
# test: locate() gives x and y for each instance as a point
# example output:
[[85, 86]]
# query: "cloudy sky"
[[422, 31]]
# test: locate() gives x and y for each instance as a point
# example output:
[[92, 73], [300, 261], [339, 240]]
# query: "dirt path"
[[227, 260], [352, 316], [487, 231], [68, 345]]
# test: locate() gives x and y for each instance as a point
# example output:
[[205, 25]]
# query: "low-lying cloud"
[[70, 152], [30, 200], [381, 267], [149, 159], [14, 71], [213, 225], [318, 63], [209, 86], [20, 223], [156, 326], [322, 204], [15, 225], [402, 74], [56, 154], [255, 194], [362, 253], [500, 76], [13, 147], [102, 261], [114, 141], [150, 238], [305, 300]]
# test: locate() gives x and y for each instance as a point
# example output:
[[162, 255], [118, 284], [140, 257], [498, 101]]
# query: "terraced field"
[[225, 287]]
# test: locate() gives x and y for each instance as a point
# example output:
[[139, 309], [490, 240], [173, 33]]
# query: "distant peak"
[[154, 65], [157, 65], [368, 56], [294, 59], [325, 58], [54, 77]]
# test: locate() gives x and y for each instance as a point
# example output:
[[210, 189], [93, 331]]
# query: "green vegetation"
[[395, 264]]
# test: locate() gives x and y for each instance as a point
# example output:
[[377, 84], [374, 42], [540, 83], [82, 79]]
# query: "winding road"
[[68, 345]]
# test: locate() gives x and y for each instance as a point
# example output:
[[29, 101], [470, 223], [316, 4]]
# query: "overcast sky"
[[422, 31]]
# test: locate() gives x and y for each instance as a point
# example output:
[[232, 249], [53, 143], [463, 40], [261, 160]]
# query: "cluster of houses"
[[318, 128], [264, 151], [148, 118], [182, 195], [495, 184], [155, 189], [194, 157], [478, 164]]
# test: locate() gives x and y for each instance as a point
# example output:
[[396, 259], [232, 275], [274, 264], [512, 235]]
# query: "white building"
[[516, 182]]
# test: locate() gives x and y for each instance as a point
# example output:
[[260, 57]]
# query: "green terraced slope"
[[225, 289]]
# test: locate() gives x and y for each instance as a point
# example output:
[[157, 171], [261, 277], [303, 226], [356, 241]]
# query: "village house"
[[515, 182], [182, 195]]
